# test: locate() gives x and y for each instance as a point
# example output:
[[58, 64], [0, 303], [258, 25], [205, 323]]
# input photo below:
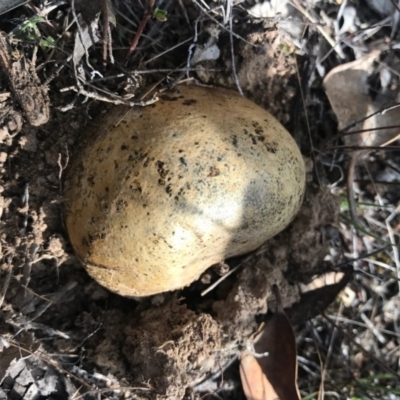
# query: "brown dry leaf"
[[326, 279], [272, 376], [347, 89]]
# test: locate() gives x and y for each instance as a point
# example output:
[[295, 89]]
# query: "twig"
[[303, 101], [382, 111], [6, 281], [221, 25], [223, 277], [233, 56], [168, 50], [156, 71], [116, 101], [360, 324], [382, 364], [373, 328], [61, 166], [395, 5], [107, 390], [343, 132], [354, 148], [338, 267], [322, 30], [350, 189], [146, 17], [106, 31], [393, 242]]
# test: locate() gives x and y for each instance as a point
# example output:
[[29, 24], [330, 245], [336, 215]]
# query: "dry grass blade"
[[271, 372]]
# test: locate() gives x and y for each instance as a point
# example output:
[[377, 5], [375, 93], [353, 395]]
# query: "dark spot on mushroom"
[[214, 172], [168, 190], [183, 161], [169, 98], [90, 180], [272, 147], [253, 139], [124, 147], [161, 182], [136, 187], [189, 102], [85, 242], [120, 205], [234, 140], [161, 170]]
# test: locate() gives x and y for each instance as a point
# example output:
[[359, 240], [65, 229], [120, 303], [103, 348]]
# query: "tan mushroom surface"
[[161, 194]]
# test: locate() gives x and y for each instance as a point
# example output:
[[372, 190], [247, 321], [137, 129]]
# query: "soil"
[[84, 339]]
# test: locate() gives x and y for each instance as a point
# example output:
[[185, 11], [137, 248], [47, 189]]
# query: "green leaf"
[[160, 15], [47, 42]]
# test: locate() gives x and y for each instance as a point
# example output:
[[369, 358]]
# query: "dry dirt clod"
[[24, 84]]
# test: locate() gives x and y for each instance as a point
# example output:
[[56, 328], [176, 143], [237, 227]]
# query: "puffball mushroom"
[[200, 176]]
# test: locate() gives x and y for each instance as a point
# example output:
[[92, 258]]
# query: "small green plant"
[[160, 15], [30, 31]]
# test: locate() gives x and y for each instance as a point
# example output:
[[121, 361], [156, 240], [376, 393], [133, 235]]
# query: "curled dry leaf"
[[270, 372], [347, 89]]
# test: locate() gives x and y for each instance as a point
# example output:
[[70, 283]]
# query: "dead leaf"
[[270, 372], [85, 37], [313, 302], [320, 281], [347, 89]]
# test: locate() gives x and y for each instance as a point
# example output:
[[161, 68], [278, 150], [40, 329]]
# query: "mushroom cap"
[[164, 192]]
